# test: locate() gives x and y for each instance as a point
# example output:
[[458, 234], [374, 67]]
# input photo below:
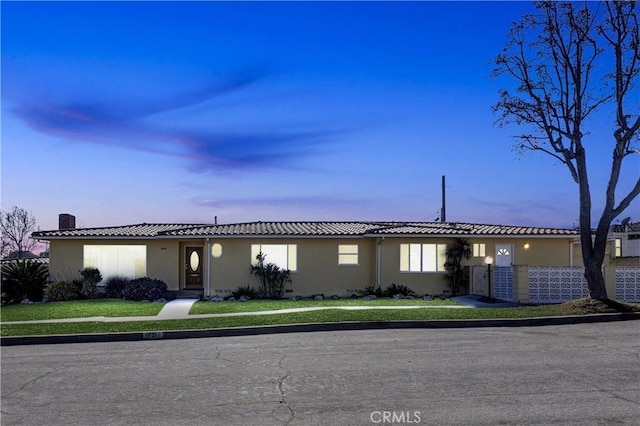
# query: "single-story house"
[[323, 257]]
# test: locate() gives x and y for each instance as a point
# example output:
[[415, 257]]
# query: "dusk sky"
[[124, 113]]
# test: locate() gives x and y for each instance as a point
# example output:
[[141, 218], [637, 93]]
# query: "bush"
[[90, 279], [61, 291], [144, 289], [23, 279], [273, 279], [394, 289], [246, 291], [372, 290], [114, 287]]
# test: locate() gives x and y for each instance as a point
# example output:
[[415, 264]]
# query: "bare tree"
[[16, 227], [570, 61]]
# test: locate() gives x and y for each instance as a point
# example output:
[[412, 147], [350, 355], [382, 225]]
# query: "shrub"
[[272, 278], [23, 279], [394, 289], [372, 290], [61, 291], [90, 279], [114, 287], [246, 291], [144, 289]]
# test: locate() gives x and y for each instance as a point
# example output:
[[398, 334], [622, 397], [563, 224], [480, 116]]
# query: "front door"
[[193, 267], [504, 254]]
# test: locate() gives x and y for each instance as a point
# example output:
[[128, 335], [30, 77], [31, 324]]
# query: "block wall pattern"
[[628, 283], [503, 283], [556, 284]]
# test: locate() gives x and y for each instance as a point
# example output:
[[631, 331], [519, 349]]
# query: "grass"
[[79, 309], [333, 315], [273, 305]]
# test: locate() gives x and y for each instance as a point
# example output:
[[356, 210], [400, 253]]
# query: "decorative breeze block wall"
[[556, 284], [503, 283], [628, 283]]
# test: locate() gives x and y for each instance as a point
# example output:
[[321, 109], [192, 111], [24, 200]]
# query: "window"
[[282, 255], [422, 257], [347, 254], [478, 250], [618, 248], [126, 261]]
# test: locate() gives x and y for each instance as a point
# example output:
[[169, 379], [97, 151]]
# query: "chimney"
[[66, 221]]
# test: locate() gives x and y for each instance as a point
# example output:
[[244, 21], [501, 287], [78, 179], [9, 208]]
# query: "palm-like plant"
[[272, 278], [23, 279], [461, 249]]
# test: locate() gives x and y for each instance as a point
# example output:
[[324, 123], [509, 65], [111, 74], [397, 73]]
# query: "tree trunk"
[[595, 281]]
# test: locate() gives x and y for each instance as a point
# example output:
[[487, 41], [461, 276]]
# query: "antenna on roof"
[[443, 211]]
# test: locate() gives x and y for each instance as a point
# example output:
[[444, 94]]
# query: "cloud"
[[125, 125]]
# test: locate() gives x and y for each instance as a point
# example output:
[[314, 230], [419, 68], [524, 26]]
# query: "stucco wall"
[[66, 258], [317, 266], [317, 259]]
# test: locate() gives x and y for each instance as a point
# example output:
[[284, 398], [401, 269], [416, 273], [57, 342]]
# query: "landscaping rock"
[[442, 296], [26, 302], [243, 299], [409, 297], [295, 298], [318, 297], [353, 296], [145, 301], [161, 300], [398, 296], [231, 299], [427, 297], [369, 297], [335, 297], [216, 298]]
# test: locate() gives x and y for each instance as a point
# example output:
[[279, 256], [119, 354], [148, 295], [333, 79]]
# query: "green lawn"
[[293, 318], [115, 308], [78, 309], [273, 305]]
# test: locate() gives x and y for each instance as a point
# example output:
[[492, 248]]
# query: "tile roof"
[[140, 230], [629, 227], [303, 229]]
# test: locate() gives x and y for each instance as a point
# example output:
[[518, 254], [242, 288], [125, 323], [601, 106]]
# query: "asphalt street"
[[583, 374]]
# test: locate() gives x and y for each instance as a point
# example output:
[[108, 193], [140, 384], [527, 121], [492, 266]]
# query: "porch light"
[[216, 250], [489, 261], [526, 246]]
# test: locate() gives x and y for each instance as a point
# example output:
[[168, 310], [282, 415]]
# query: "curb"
[[311, 327]]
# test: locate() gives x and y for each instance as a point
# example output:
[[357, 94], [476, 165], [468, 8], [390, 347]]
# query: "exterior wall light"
[[489, 261], [526, 246]]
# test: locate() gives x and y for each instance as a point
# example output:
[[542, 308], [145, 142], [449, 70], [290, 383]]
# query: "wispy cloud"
[[127, 125]]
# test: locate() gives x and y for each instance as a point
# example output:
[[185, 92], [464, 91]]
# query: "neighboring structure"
[[626, 239], [324, 257]]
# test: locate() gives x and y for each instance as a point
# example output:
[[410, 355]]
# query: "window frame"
[[291, 254], [479, 250], [415, 260], [139, 264], [346, 253]]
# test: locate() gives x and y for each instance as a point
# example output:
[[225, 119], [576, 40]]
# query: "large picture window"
[[113, 260], [283, 255], [422, 257], [347, 254]]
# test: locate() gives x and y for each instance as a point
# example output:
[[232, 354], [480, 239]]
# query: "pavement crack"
[[283, 412]]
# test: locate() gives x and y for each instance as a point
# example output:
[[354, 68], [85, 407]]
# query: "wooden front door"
[[193, 267]]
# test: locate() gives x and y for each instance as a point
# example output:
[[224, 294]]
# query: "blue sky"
[[121, 112]]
